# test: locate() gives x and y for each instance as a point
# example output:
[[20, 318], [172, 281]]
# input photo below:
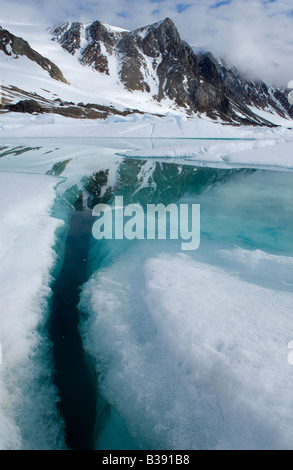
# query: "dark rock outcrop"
[[244, 92], [65, 108], [69, 36], [26, 106], [15, 46], [96, 36]]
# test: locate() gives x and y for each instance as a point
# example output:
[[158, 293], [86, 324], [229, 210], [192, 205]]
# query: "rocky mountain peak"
[[166, 35], [68, 35], [100, 32]]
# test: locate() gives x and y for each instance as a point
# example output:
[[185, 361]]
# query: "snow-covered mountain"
[[93, 70]]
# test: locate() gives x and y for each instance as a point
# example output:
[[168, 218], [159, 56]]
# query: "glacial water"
[[149, 305], [159, 348], [75, 375]]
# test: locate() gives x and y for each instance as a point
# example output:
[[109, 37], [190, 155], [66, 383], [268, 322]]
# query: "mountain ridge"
[[153, 65], [13, 45]]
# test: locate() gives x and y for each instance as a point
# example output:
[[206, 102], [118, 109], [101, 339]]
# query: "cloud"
[[255, 35]]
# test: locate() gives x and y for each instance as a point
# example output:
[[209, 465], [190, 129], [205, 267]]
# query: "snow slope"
[[85, 84]]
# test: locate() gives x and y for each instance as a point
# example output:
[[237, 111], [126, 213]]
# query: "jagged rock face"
[[15, 46], [96, 37], [181, 77], [160, 38], [133, 64], [248, 92], [99, 32], [155, 60], [69, 36], [157, 42]]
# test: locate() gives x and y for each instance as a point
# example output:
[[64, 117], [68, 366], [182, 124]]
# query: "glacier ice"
[[28, 414]]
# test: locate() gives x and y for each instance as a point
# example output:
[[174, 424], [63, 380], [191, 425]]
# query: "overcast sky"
[[255, 35]]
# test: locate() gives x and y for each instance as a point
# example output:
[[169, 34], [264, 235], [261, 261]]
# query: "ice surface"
[[192, 355], [28, 415], [203, 150], [133, 126], [173, 137], [246, 152]]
